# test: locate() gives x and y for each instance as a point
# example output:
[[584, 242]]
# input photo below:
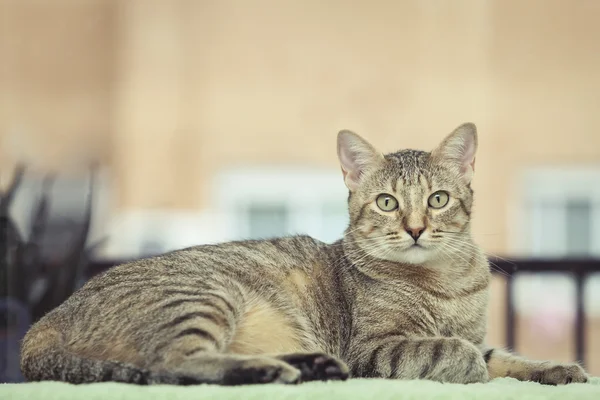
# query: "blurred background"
[[208, 121]]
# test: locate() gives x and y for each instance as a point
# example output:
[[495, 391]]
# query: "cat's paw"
[[317, 366], [557, 374], [460, 362], [478, 372], [262, 370]]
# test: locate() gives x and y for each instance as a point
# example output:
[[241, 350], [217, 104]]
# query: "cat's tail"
[[44, 357]]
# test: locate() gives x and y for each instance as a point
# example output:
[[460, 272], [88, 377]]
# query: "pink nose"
[[415, 232]]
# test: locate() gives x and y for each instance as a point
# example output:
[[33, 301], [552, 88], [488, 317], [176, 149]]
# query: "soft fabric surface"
[[505, 388]]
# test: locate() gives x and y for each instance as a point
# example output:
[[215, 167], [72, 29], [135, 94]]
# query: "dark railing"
[[509, 269], [579, 270]]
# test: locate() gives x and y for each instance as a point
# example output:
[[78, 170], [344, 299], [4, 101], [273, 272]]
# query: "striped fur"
[[294, 309]]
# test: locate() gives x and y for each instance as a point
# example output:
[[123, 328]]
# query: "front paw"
[[317, 366], [457, 361], [261, 370], [557, 374]]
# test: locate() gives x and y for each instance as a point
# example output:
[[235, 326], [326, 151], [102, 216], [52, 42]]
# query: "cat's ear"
[[459, 148], [357, 157]]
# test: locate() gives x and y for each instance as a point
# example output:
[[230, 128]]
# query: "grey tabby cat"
[[403, 295]]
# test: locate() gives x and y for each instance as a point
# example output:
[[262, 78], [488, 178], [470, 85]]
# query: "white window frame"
[[304, 192], [563, 184]]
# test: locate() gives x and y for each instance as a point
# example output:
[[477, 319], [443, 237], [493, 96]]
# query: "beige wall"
[[166, 93], [169, 92], [56, 81]]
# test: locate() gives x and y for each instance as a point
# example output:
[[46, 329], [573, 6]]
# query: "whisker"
[[458, 253], [492, 265], [470, 232], [454, 240]]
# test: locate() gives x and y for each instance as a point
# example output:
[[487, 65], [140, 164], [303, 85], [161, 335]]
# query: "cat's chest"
[[423, 313], [411, 310], [461, 316]]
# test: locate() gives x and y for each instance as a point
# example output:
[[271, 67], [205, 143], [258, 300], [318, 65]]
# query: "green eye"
[[439, 199], [387, 202]]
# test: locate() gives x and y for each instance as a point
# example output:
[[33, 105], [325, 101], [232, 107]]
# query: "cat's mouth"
[[416, 248], [414, 253]]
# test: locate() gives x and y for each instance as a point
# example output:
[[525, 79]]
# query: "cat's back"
[[269, 254], [275, 255], [246, 266]]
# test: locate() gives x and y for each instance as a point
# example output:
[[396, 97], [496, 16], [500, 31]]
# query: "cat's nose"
[[415, 233]]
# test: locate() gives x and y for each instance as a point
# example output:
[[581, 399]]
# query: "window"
[[269, 202], [559, 217], [578, 217], [561, 213], [267, 220], [248, 203]]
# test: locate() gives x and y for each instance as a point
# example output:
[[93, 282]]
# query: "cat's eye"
[[439, 199], [387, 202]]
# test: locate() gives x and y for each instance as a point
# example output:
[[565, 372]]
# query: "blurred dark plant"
[[30, 285]]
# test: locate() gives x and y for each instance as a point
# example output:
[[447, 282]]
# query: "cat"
[[402, 295]]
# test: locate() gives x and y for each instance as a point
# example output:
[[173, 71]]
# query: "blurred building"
[[216, 120]]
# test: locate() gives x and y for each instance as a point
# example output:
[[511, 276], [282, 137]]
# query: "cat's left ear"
[[459, 148]]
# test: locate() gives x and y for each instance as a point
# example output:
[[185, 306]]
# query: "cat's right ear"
[[357, 157]]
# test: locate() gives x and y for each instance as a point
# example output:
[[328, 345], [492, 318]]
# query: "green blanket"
[[504, 388]]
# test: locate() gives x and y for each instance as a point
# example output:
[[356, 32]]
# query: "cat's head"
[[410, 206]]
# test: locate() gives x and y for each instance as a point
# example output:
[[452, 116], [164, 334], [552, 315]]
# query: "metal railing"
[[578, 269]]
